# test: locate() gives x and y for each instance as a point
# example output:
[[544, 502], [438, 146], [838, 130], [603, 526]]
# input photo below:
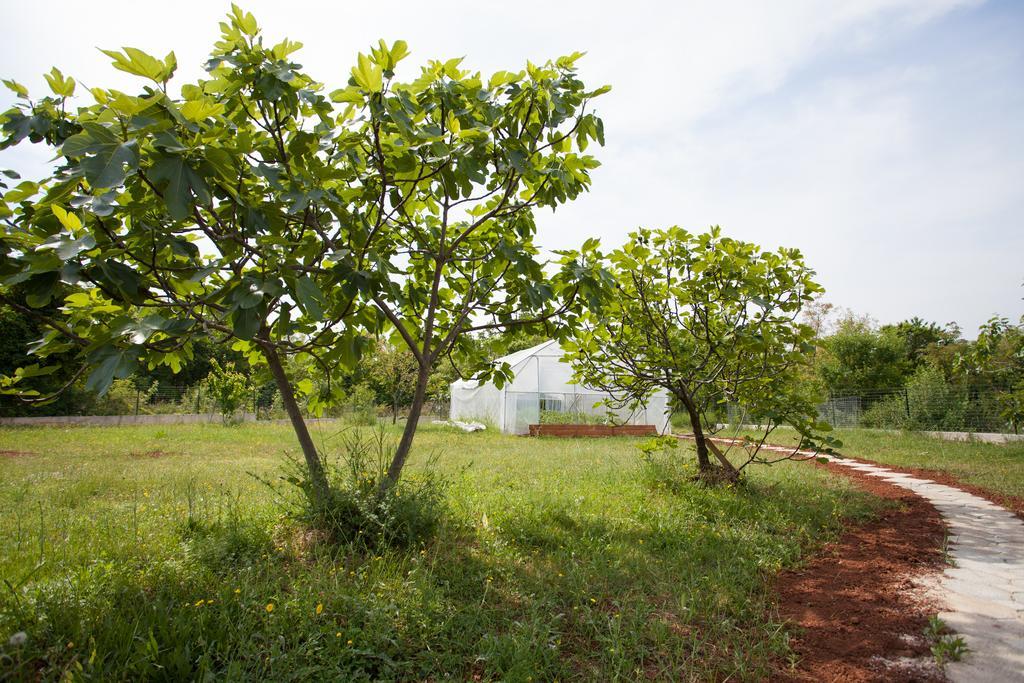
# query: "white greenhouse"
[[543, 387]]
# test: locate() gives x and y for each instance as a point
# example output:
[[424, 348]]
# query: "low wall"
[[570, 430], [116, 420], [987, 437]]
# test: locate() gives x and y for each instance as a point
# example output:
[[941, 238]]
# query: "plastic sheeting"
[[543, 382]]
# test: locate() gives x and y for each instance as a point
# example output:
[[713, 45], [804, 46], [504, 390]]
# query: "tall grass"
[[150, 553]]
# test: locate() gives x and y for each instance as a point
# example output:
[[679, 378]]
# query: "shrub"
[[229, 390], [930, 403], [122, 398], [559, 417], [661, 467], [363, 402]]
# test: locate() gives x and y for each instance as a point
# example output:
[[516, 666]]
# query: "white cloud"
[[779, 121]]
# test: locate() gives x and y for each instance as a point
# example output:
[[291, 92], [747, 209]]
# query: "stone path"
[[984, 590]]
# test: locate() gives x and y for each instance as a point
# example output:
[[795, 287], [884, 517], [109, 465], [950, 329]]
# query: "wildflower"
[[237, 591], [349, 642], [270, 607], [145, 494], [18, 639], [199, 603], [319, 608], [338, 634], [593, 600]]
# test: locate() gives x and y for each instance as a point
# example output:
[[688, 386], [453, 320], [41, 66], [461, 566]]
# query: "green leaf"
[[122, 278], [17, 88], [137, 62], [39, 289], [107, 168], [244, 21], [69, 220], [309, 297], [367, 75], [179, 184], [198, 110], [245, 322], [61, 86], [110, 363]]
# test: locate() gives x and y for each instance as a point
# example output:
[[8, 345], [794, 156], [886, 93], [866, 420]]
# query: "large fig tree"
[[285, 219], [713, 321]]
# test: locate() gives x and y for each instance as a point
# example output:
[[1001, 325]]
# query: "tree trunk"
[[398, 462], [704, 444], [319, 487], [703, 461]]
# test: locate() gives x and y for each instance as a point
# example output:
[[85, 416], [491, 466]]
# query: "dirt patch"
[[150, 454], [15, 454], [1014, 504], [860, 615]]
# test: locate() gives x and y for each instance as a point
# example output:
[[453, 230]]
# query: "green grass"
[[556, 562]]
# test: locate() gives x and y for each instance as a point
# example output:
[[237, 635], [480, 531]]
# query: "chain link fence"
[[197, 403], [941, 407]]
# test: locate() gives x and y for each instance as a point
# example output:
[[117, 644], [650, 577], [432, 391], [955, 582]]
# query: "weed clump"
[[662, 468], [358, 510]]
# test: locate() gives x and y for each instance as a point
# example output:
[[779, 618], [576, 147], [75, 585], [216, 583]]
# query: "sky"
[[883, 138]]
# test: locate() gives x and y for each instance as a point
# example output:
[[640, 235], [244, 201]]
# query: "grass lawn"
[[151, 553]]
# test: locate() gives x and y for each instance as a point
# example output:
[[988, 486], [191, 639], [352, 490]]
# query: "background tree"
[[858, 360], [920, 336], [391, 372], [257, 210], [709, 319]]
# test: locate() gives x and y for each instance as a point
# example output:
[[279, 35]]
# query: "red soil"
[[854, 603], [1014, 504], [14, 454]]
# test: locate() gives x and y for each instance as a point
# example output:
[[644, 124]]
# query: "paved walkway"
[[984, 590]]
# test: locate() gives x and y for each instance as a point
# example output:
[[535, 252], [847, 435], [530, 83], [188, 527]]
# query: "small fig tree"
[[711, 320], [454, 166], [284, 219]]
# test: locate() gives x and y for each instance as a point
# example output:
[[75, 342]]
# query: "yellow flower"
[[350, 642], [270, 607], [319, 608], [237, 591], [338, 634], [199, 603]]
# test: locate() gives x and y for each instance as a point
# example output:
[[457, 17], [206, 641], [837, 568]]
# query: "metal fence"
[[931, 408], [261, 403]]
